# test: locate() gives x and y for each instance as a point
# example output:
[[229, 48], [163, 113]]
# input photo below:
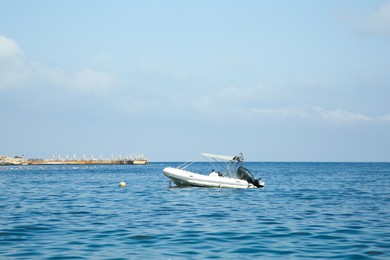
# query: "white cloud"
[[17, 71], [339, 115], [255, 102], [336, 115], [385, 117], [280, 112], [13, 68], [230, 100], [9, 48], [375, 22], [89, 80], [251, 101]]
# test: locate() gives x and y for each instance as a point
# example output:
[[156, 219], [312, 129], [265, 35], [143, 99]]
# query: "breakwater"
[[138, 160], [87, 161]]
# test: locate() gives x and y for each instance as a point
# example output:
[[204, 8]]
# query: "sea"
[[305, 211]]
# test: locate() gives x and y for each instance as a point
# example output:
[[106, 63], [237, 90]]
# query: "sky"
[[275, 80]]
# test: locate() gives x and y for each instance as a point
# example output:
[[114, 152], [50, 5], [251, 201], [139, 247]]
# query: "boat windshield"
[[229, 164], [225, 165]]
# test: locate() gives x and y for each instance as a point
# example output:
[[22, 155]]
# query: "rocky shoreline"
[[5, 160]]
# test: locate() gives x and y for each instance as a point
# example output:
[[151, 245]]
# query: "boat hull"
[[184, 178]]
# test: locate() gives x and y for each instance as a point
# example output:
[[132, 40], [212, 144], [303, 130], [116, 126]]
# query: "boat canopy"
[[223, 157]]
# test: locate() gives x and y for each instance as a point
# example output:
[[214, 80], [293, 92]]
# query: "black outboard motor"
[[246, 175]]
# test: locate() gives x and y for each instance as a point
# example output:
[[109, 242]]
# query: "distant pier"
[[95, 161], [137, 160]]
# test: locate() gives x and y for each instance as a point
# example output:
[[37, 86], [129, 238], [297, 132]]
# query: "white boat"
[[232, 174]]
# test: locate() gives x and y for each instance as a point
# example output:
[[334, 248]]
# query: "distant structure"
[[58, 160]]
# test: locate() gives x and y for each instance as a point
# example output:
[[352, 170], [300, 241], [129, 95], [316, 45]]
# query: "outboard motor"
[[246, 175]]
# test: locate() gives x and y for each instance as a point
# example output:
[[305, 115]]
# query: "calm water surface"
[[306, 210]]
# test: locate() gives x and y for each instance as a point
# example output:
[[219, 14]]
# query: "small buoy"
[[122, 184]]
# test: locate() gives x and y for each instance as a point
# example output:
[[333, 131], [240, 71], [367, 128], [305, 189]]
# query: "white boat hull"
[[184, 178]]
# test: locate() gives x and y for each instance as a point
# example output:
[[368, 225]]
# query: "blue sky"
[[278, 81]]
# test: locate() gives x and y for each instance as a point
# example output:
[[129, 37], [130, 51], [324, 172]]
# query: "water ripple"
[[66, 213]]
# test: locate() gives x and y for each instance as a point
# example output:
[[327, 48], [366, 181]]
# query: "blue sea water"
[[305, 211]]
